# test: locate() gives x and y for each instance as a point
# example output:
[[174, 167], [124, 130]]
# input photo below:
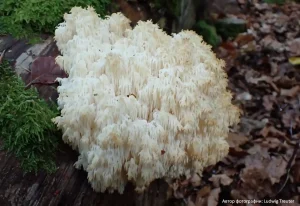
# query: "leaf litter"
[[263, 65], [264, 76]]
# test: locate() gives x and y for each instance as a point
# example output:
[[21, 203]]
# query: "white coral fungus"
[[139, 104]]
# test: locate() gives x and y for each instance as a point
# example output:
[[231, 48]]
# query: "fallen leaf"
[[285, 81], [281, 23], [247, 125], [204, 191], [270, 42], [264, 78], [290, 92], [256, 160], [230, 172], [271, 143], [44, 70], [276, 169], [294, 47], [222, 179], [259, 149], [272, 131], [291, 118], [296, 171], [255, 183], [261, 7], [265, 29], [201, 201], [213, 197], [237, 152], [244, 38], [236, 194], [235, 140], [241, 1], [190, 202], [270, 167], [268, 102]]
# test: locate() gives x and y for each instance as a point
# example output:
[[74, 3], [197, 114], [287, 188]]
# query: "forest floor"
[[263, 67]]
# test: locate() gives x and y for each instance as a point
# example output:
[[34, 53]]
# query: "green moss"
[[230, 27], [25, 123], [208, 32], [27, 18]]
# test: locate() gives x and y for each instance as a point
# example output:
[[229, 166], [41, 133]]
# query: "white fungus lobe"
[[139, 104]]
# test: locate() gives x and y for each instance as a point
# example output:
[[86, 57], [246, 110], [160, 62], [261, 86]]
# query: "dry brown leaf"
[[259, 149], [264, 78], [294, 47], [270, 42], [276, 169], [256, 160], [265, 29], [222, 179], [230, 172], [237, 152], [243, 39], [241, 1], [204, 191], [254, 177], [262, 7], [268, 102], [213, 197], [281, 23], [296, 171], [236, 194], [235, 140], [250, 47], [201, 201], [285, 81], [272, 168], [247, 125], [274, 68], [271, 131], [271, 143], [291, 118], [294, 91], [255, 183]]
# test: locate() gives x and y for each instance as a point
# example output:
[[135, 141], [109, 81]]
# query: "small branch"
[[289, 166], [290, 162], [2, 55]]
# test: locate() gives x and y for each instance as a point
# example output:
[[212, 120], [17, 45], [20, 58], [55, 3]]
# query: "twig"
[[36, 81], [290, 162], [2, 55], [289, 166]]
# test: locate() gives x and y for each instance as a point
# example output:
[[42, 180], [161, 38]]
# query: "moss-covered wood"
[[25, 123]]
